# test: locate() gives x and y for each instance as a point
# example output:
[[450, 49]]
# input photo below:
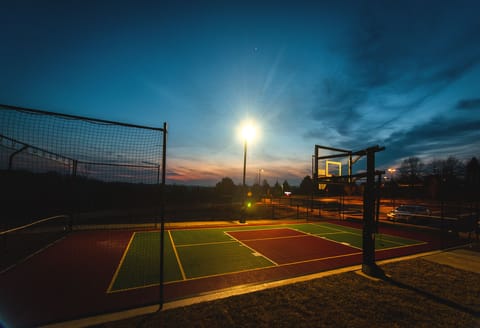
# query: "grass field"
[[195, 253]]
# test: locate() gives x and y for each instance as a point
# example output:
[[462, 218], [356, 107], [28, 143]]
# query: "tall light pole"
[[248, 132], [260, 176]]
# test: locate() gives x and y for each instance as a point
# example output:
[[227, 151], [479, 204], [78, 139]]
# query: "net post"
[[162, 215]]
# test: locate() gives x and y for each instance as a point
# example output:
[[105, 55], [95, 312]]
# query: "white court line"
[[253, 250]]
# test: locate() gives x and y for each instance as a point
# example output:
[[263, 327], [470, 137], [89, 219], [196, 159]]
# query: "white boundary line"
[[32, 255], [33, 223], [253, 250]]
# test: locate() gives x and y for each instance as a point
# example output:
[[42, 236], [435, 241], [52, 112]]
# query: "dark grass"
[[419, 293]]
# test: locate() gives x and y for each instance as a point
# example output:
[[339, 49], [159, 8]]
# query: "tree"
[[257, 191], [472, 179], [410, 170], [447, 168], [225, 188], [445, 180], [265, 187], [286, 186], [472, 174], [306, 186], [277, 189], [453, 168]]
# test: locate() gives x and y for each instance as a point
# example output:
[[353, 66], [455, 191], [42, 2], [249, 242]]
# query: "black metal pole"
[[244, 189], [368, 266], [162, 212], [377, 200], [368, 214]]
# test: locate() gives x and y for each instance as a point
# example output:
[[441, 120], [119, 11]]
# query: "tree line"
[[33, 195], [448, 178], [226, 189], [437, 179]]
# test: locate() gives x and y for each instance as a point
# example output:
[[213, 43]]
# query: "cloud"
[[468, 104], [395, 66], [336, 104], [440, 137]]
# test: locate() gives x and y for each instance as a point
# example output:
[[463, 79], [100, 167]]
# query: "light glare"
[[248, 132]]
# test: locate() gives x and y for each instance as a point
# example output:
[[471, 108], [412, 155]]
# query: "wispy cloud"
[[468, 104], [349, 74], [439, 137], [395, 68]]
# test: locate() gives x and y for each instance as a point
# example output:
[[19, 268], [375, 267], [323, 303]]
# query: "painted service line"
[[119, 266], [184, 277], [253, 250]]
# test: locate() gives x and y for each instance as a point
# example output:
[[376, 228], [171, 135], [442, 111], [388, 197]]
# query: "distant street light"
[[392, 172], [248, 133], [260, 175]]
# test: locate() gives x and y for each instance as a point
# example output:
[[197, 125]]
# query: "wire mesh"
[[21, 242], [58, 163]]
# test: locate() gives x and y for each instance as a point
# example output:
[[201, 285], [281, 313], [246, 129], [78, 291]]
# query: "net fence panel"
[[76, 191], [19, 243], [54, 163], [102, 151]]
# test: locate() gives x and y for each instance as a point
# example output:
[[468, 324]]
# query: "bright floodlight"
[[248, 132]]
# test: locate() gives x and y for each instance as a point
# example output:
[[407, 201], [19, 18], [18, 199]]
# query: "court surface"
[[90, 273], [200, 253]]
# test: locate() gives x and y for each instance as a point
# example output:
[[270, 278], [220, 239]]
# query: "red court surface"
[[283, 246], [69, 280]]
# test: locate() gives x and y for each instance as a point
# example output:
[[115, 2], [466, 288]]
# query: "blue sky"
[[347, 74]]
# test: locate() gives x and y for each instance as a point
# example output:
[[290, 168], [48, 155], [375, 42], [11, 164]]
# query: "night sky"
[[346, 74]]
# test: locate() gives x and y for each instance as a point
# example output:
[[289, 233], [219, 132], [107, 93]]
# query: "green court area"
[[196, 253]]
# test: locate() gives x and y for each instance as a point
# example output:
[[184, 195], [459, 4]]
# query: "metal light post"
[[248, 133], [260, 176], [244, 162]]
